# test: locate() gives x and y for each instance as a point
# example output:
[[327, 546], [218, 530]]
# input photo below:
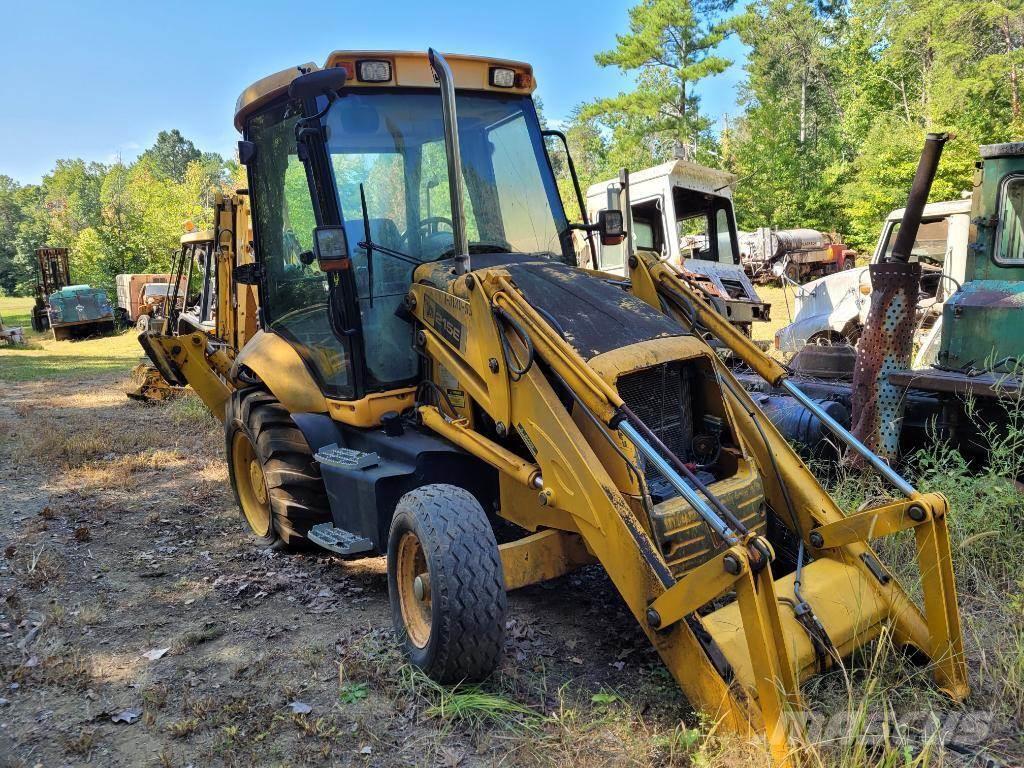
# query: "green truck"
[[982, 332]]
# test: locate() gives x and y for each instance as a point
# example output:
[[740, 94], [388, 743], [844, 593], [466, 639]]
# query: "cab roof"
[[681, 173], [934, 210], [409, 69], [198, 236]]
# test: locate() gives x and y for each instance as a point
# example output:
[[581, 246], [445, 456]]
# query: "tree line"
[[834, 104], [836, 98], [115, 218]]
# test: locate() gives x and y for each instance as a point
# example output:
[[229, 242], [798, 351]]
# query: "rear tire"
[[452, 625], [276, 482]]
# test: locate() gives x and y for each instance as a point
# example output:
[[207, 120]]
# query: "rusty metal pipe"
[[922, 185], [887, 341]]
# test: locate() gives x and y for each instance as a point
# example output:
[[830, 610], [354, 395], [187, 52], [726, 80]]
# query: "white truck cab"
[[683, 211], [833, 309]]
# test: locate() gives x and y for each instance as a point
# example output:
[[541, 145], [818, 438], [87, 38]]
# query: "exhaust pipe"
[[886, 344], [451, 142]]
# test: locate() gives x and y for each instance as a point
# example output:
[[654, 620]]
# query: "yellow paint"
[[410, 69], [367, 411], [542, 556], [280, 368]]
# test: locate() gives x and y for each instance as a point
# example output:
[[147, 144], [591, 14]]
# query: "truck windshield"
[[392, 144]]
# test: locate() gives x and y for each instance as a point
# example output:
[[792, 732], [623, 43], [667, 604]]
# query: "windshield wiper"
[[369, 246]]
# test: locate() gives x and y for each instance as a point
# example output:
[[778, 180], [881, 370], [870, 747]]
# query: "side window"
[[724, 237], [648, 231], [294, 295], [694, 242], [643, 235], [930, 244], [1010, 243]]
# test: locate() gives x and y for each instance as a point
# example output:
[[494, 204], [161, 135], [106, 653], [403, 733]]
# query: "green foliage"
[[670, 47], [114, 218], [837, 97], [350, 693], [171, 155]]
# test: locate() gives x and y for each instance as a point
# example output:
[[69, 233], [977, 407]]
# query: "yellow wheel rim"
[[250, 484], [412, 565]]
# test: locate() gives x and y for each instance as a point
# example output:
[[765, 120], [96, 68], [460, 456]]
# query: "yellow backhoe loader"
[[400, 360]]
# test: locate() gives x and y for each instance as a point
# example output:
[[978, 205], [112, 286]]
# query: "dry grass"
[[781, 314], [43, 358]]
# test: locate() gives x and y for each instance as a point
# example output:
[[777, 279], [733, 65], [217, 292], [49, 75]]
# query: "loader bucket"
[[851, 612]]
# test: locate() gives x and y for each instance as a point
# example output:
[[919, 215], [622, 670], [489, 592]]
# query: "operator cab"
[[377, 168]]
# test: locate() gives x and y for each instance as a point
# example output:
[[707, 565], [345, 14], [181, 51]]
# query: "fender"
[[279, 366]]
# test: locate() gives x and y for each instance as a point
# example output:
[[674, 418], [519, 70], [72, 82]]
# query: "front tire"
[[446, 584], [277, 485]]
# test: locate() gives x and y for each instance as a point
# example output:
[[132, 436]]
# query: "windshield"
[[393, 145]]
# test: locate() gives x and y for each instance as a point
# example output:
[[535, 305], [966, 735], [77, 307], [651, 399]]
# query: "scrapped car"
[[833, 309], [684, 212]]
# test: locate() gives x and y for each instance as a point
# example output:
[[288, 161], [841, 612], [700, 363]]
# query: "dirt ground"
[[138, 626]]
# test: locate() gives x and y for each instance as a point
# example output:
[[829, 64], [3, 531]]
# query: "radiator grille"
[[660, 397]]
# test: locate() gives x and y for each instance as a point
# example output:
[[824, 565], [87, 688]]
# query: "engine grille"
[[660, 397]]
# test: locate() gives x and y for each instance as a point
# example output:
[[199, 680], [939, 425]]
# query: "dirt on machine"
[[418, 369]]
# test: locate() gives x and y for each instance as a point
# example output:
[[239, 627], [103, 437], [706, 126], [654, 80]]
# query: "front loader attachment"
[[737, 627]]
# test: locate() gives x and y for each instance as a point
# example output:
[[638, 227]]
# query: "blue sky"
[[98, 80]]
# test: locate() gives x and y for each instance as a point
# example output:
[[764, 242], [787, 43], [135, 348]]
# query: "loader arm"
[[816, 519], [568, 488], [742, 662]]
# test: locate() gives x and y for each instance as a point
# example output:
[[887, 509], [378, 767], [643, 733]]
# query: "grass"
[[43, 358], [782, 312], [17, 310]]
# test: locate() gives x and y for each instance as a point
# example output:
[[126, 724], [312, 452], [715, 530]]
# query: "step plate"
[[339, 540], [346, 458]]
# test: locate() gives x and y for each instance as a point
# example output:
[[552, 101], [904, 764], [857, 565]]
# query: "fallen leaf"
[[156, 653], [127, 716], [300, 708], [33, 661], [82, 533], [576, 660], [366, 751]]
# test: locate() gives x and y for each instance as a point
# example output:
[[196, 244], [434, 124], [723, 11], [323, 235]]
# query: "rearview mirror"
[[318, 83], [610, 227], [331, 247]]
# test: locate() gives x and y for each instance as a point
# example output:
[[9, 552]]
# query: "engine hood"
[[821, 296], [592, 315]]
